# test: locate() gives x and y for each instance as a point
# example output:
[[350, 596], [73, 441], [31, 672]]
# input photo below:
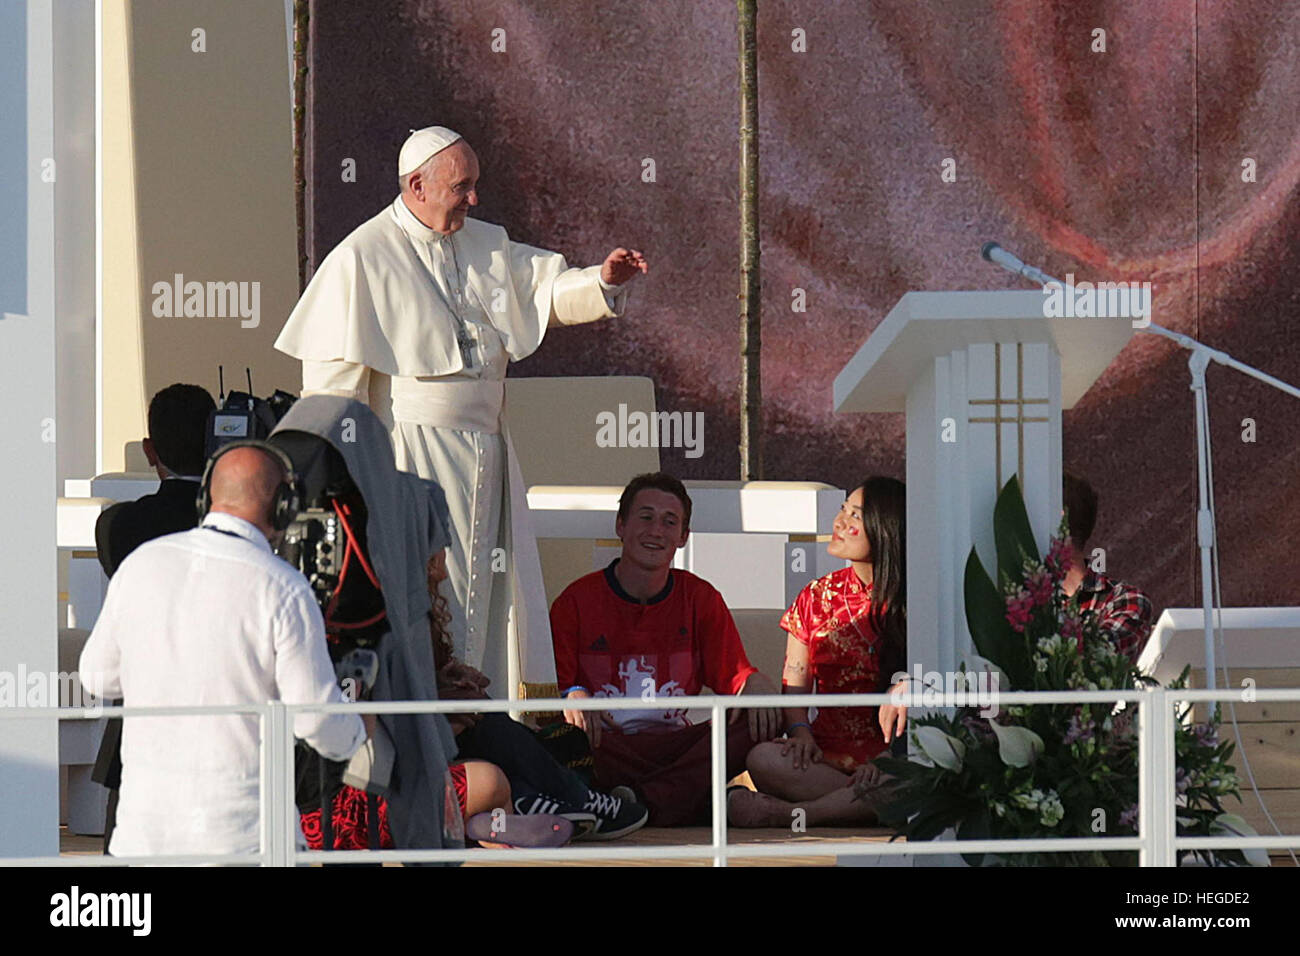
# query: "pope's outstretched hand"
[[621, 265]]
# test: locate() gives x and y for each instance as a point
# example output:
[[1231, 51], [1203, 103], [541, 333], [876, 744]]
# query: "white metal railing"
[[1157, 842]]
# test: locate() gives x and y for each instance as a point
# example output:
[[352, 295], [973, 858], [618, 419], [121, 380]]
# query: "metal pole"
[[719, 734], [751, 328], [1198, 362], [290, 828], [301, 14], [281, 794], [1156, 811], [265, 775]]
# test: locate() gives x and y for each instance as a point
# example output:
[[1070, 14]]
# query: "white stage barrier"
[[1156, 841]]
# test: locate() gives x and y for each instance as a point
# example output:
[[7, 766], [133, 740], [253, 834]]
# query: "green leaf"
[[895, 766], [897, 812], [984, 762], [974, 827], [941, 816], [1012, 534], [986, 613], [986, 618], [911, 799]]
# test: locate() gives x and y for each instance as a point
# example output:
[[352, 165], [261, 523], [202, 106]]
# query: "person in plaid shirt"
[[1122, 611]]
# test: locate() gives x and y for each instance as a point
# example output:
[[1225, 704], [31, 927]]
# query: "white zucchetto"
[[421, 144]]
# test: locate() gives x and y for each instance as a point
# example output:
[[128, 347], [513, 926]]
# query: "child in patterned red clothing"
[[487, 795], [350, 821], [847, 635], [481, 788], [482, 794]]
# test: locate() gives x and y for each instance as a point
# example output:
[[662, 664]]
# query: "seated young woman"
[[847, 635]]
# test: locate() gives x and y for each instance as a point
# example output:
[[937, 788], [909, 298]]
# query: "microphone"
[[994, 253]]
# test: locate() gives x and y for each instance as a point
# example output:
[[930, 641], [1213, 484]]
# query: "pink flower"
[[1040, 587], [1207, 735], [1020, 608], [1072, 629], [1058, 560], [1035, 593]]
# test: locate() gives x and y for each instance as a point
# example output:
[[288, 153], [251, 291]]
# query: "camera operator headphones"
[[285, 503]]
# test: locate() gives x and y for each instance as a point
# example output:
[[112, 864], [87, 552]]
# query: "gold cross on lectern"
[[1019, 419]]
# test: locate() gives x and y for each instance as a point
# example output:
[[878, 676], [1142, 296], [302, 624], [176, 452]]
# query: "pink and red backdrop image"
[[1125, 164]]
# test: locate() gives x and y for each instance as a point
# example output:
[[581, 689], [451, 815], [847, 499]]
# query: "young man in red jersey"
[[641, 628]]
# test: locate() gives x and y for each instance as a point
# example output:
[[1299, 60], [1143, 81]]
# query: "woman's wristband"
[[570, 690], [796, 726]]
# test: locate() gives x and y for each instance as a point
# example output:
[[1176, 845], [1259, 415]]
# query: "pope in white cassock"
[[416, 313]]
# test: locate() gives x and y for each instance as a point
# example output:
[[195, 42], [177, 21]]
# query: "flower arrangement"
[[1048, 771]]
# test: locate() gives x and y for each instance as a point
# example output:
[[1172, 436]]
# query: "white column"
[[975, 417], [29, 773], [74, 138], [936, 461]]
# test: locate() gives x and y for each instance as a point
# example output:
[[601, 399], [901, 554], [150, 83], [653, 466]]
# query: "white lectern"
[[983, 377]]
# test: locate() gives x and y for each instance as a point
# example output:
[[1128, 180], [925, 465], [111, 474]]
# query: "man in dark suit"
[[178, 419]]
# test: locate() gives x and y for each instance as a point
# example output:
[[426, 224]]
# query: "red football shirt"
[[673, 645]]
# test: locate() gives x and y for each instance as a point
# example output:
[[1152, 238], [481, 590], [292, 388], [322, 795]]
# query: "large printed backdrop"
[[1123, 164]]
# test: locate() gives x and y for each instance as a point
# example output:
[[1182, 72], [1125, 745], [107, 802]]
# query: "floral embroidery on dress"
[[845, 654]]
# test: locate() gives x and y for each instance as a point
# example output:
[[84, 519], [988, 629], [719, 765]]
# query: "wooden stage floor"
[[74, 845]]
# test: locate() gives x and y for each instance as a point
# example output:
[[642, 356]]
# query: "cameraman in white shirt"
[[212, 616]]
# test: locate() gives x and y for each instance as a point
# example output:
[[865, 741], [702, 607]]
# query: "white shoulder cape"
[[373, 302]]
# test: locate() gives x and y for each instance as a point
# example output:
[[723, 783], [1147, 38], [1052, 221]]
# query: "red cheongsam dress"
[[844, 657]]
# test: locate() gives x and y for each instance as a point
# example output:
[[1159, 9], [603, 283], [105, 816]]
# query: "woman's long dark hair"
[[884, 520]]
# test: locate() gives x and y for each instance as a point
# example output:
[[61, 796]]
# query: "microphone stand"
[[1206, 529], [1206, 526]]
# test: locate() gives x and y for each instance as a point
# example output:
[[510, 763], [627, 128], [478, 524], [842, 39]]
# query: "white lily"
[[1017, 746], [1230, 823], [946, 751]]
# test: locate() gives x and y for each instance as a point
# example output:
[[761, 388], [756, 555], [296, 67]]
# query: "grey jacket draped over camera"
[[407, 523]]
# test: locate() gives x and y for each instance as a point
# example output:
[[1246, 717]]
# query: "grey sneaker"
[[617, 813], [584, 821]]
